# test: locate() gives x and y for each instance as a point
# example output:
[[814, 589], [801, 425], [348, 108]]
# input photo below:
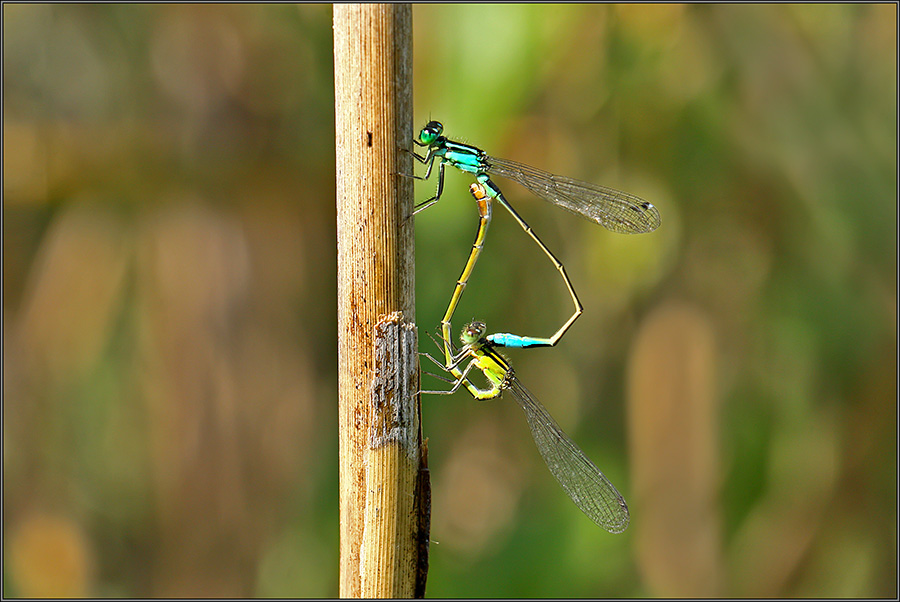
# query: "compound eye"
[[472, 332], [430, 132]]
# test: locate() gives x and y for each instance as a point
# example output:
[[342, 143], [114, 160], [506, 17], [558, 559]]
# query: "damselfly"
[[615, 210], [589, 488]]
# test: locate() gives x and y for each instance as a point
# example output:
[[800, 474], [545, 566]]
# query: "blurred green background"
[[169, 299]]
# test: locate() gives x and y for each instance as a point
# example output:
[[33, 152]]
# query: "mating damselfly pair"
[[618, 211]]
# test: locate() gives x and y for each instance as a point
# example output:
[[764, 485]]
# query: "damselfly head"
[[472, 331], [430, 133]]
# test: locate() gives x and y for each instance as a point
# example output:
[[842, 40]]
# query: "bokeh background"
[[169, 353]]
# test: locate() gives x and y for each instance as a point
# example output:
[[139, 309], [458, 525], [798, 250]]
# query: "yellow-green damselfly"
[[580, 478]]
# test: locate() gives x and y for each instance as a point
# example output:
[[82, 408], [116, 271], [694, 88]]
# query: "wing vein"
[[613, 209], [579, 477]]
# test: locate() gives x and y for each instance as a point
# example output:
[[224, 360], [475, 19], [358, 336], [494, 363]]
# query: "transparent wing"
[[615, 210], [579, 477]]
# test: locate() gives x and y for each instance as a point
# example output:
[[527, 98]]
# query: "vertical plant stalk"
[[380, 438]]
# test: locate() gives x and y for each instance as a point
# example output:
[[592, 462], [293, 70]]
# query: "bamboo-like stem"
[[377, 368]]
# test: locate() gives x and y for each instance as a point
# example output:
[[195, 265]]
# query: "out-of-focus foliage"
[[169, 299]]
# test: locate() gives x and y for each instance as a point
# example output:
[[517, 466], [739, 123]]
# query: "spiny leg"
[[456, 358], [461, 379], [440, 188], [428, 160]]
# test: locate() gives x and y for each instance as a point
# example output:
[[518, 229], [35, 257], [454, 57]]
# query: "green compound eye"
[[430, 132]]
